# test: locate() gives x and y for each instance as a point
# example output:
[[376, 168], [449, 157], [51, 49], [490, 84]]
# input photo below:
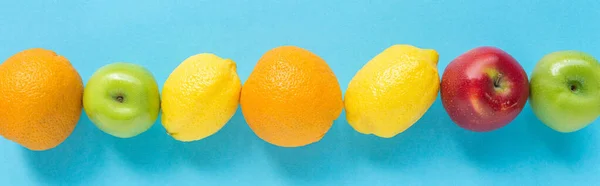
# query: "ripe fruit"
[[40, 97], [484, 89], [291, 97], [392, 91], [122, 99], [565, 90], [200, 96]]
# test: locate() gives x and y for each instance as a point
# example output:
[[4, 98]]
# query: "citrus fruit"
[[392, 91], [199, 97], [291, 97], [41, 99]]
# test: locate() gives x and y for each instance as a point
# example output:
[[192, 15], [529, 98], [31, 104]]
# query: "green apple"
[[122, 99], [565, 90]]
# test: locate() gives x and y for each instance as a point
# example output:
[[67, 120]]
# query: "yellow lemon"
[[199, 97], [392, 91]]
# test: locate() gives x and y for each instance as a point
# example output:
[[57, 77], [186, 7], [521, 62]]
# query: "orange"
[[41, 99], [291, 97]]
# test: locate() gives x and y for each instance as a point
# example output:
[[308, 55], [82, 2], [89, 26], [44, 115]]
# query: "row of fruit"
[[292, 96]]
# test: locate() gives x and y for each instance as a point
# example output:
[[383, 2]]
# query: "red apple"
[[484, 89]]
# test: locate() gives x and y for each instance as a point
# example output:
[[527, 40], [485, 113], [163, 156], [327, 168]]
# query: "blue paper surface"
[[161, 34]]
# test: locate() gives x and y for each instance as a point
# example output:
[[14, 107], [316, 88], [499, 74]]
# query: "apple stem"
[[574, 86], [497, 81], [119, 99]]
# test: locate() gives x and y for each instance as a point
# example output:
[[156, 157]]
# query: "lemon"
[[200, 96], [392, 91]]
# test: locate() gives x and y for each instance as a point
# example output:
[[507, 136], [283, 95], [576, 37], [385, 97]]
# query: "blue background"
[[161, 34]]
